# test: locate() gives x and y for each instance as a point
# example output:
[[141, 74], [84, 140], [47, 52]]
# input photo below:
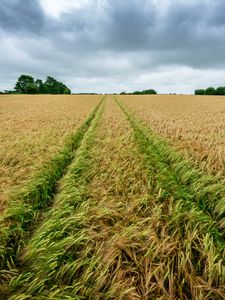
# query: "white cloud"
[[55, 8]]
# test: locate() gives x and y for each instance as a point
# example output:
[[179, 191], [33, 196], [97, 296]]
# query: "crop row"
[[60, 233], [28, 204], [192, 212], [194, 125], [33, 130]]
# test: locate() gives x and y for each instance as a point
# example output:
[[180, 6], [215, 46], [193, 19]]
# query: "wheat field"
[[33, 129], [116, 202], [193, 124]]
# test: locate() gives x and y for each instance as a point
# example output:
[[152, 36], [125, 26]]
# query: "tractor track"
[[27, 207]]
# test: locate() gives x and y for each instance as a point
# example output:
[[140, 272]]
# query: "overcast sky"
[[114, 45]]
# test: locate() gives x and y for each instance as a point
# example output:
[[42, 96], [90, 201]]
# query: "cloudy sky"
[[114, 45]]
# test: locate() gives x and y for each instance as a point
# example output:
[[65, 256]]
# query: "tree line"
[[144, 92], [26, 84], [211, 91]]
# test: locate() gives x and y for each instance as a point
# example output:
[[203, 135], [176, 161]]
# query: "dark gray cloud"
[[21, 15], [130, 24], [112, 44]]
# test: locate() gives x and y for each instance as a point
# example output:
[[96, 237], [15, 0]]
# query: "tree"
[[145, 92], [51, 86], [31, 89], [62, 88], [40, 85], [210, 91], [67, 91], [200, 92], [220, 90], [26, 85], [149, 92], [24, 82], [10, 92]]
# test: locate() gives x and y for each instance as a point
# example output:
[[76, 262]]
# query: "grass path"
[[27, 205]]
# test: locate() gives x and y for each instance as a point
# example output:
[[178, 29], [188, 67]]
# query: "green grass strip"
[[28, 202], [51, 261], [177, 177]]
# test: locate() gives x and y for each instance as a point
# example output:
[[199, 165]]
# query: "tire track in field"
[[180, 178], [102, 227], [193, 216], [27, 204], [118, 215], [49, 259]]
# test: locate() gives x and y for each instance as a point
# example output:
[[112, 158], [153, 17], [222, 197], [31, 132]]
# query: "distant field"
[[194, 124], [33, 128], [106, 206]]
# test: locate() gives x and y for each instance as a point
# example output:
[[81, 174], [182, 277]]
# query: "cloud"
[[54, 8], [17, 16], [107, 45]]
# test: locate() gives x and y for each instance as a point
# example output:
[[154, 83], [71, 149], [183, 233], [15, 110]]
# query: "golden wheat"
[[194, 124], [33, 129], [129, 218]]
